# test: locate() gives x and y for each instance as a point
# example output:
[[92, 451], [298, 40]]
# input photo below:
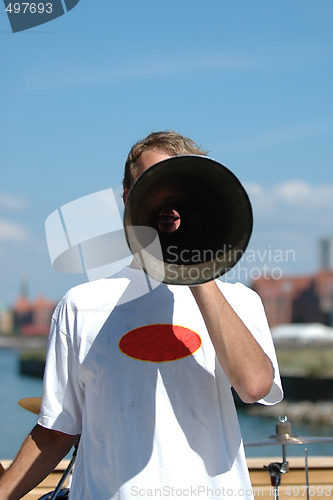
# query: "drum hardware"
[[283, 437], [275, 470], [57, 492], [31, 404], [306, 473], [187, 220], [62, 494]]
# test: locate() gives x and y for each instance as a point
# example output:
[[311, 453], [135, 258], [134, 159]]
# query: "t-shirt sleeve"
[[248, 306], [62, 391]]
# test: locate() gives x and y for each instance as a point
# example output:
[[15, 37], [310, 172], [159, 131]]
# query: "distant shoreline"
[[20, 343], [307, 412]]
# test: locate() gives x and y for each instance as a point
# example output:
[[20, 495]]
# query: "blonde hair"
[[169, 141]]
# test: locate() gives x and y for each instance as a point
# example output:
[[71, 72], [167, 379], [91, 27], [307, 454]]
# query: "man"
[[145, 380]]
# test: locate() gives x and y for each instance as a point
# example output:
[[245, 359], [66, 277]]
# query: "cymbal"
[[31, 404], [286, 439]]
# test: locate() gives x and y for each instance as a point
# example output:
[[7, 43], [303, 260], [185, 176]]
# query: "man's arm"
[[40, 453], [248, 368]]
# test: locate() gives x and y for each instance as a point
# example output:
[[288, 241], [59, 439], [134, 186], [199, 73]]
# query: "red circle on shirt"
[[160, 343]]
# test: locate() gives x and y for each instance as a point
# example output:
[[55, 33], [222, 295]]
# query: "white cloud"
[[294, 194], [298, 193], [10, 231], [12, 203], [292, 215]]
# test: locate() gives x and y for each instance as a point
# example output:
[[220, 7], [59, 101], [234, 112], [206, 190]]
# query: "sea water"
[[15, 422]]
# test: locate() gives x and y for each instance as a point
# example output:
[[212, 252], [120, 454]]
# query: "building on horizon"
[[326, 254], [32, 317], [297, 299], [6, 320]]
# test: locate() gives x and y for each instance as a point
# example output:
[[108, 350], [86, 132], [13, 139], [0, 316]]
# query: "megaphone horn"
[[187, 220]]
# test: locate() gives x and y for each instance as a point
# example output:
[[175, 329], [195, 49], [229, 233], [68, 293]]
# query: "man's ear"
[[125, 194]]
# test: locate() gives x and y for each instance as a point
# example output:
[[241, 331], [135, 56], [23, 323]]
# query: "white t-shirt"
[[135, 373]]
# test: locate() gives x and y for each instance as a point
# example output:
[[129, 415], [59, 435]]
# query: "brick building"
[[6, 320], [32, 318], [297, 299]]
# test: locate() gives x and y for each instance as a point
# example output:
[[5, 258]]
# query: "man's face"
[[169, 219], [149, 158]]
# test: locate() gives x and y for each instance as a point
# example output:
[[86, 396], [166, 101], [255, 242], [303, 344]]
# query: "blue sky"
[[250, 81]]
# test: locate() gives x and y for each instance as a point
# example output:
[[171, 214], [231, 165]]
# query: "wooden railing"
[[293, 483]]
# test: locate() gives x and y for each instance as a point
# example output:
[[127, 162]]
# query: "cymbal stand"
[[65, 474], [275, 469], [307, 473]]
